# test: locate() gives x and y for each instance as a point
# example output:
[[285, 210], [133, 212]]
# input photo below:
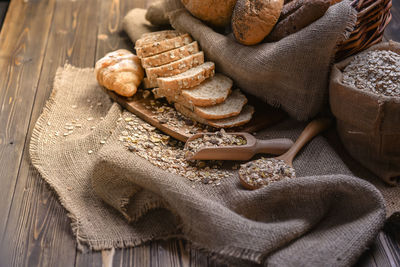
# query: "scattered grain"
[[262, 172], [217, 139]]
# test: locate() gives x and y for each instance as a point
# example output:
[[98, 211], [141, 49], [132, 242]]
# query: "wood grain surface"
[[37, 37]]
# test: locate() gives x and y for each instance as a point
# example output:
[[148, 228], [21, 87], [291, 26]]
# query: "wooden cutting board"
[[148, 110]]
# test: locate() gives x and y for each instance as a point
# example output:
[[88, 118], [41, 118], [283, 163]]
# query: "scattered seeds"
[[167, 153], [217, 139]]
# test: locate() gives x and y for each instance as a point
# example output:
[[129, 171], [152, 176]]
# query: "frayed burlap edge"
[[83, 242]]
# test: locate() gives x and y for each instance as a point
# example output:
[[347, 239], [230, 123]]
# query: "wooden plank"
[[23, 41], [110, 38], [38, 230]]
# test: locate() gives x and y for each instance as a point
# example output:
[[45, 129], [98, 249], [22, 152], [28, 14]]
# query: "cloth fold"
[[326, 216]]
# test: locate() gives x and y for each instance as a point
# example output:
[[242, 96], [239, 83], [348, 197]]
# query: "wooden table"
[[36, 38]]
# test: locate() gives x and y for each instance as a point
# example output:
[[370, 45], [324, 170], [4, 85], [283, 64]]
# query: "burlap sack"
[[292, 73], [325, 217], [368, 124]]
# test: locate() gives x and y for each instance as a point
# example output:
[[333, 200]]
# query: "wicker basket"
[[372, 19]]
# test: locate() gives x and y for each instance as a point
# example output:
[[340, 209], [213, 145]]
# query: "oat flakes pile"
[[218, 139], [376, 71], [262, 172]]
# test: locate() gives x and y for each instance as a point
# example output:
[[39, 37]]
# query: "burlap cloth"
[[325, 217]]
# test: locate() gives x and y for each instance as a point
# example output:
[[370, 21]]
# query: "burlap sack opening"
[[368, 124], [292, 73]]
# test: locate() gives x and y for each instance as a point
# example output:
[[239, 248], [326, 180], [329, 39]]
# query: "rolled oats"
[[217, 139], [375, 71], [262, 172]]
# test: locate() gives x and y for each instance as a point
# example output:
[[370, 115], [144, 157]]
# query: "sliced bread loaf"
[[158, 47], [175, 67], [151, 37], [241, 119], [187, 79], [212, 91], [232, 106], [170, 56]]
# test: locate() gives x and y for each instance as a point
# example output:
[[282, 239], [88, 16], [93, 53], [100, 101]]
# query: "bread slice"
[[232, 106], [239, 120], [147, 84], [212, 91], [175, 67], [158, 47], [187, 79], [170, 56], [151, 37]]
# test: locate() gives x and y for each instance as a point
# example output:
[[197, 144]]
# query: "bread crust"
[[216, 13]]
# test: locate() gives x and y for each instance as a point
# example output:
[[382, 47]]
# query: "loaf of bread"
[[252, 20], [120, 71], [297, 15], [176, 70], [217, 13]]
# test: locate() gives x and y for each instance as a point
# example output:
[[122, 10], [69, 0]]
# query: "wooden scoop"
[[312, 129], [240, 152]]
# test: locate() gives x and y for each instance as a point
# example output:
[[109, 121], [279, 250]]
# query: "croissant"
[[120, 71]]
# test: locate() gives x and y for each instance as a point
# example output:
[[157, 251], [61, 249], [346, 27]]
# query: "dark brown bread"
[[297, 15]]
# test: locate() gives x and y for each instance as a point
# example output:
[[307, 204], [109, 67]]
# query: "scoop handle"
[[312, 129], [273, 146]]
